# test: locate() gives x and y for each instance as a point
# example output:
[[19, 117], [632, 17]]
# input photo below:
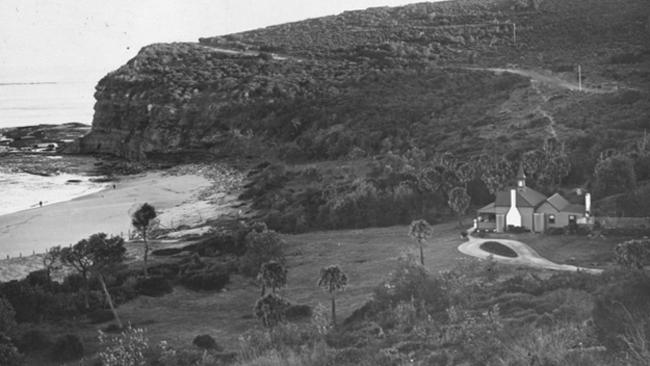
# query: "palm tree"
[[272, 275], [141, 219], [332, 279], [420, 230]]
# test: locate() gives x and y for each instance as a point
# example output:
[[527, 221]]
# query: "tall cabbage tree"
[[420, 230], [332, 279]]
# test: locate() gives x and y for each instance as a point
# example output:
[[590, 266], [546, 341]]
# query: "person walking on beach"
[[40, 203]]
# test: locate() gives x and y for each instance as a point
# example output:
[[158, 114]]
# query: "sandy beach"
[[65, 223]]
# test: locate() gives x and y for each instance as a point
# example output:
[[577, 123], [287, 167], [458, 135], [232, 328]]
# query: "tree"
[[141, 219], [496, 172], [332, 279], [262, 245], [270, 309], [95, 256], [272, 275], [51, 260], [465, 172], [420, 230], [633, 253], [459, 201], [614, 174], [7, 316]]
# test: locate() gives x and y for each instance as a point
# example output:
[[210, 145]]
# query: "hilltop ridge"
[[160, 100]]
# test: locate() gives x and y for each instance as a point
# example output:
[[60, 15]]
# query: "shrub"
[[298, 312], [270, 310], [517, 229], [9, 355], [7, 316], [412, 283], [622, 309], [100, 316], [555, 231], [33, 340], [39, 278], [205, 341], [126, 349], [153, 286], [166, 270], [166, 252], [67, 348], [73, 282], [211, 279], [261, 247], [633, 253]]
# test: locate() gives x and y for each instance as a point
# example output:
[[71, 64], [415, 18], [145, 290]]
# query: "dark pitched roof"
[[574, 208], [526, 197], [487, 209], [558, 201]]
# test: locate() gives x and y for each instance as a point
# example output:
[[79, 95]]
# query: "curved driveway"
[[526, 255]]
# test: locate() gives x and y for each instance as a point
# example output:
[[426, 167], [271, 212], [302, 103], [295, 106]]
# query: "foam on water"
[[22, 191]]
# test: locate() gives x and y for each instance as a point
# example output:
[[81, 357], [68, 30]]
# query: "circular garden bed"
[[497, 248]]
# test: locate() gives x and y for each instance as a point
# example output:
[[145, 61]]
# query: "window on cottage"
[[551, 219]]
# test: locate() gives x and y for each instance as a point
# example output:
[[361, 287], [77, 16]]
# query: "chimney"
[[587, 204], [513, 217]]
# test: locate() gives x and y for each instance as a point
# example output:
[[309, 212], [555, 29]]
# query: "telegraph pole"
[[579, 78]]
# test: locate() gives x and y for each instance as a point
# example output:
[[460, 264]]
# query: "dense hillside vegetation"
[[422, 80]]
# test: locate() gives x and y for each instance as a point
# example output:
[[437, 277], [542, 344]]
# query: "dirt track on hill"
[[547, 79]]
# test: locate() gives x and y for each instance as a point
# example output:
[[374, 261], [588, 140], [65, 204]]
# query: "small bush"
[[39, 278], [209, 280], [9, 355], [100, 316], [7, 315], [205, 341], [621, 309], [517, 229], [270, 310], [412, 283], [166, 270], [261, 247], [33, 341], [555, 231], [153, 286], [166, 252], [298, 312], [126, 349], [67, 348]]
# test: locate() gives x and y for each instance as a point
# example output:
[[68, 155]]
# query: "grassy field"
[[367, 256]]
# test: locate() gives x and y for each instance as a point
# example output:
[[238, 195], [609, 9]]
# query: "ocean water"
[[23, 104], [22, 191]]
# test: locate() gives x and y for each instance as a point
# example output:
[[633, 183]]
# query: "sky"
[[82, 40]]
